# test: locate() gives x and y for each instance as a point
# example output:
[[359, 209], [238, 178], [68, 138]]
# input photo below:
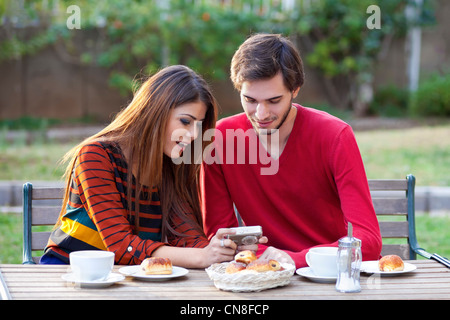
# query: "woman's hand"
[[220, 248]]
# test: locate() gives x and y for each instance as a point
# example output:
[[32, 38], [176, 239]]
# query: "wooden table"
[[430, 280]]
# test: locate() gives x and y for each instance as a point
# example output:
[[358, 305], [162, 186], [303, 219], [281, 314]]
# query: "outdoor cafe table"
[[431, 280]]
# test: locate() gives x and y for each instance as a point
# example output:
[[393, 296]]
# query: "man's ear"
[[295, 93]]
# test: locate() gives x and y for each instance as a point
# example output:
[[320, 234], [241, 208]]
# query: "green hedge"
[[432, 98], [390, 101]]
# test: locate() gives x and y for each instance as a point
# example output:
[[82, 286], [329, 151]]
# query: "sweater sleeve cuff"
[[137, 253]]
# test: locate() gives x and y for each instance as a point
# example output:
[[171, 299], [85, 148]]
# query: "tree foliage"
[[341, 45], [137, 37]]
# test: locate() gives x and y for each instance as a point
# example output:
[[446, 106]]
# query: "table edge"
[[4, 291]]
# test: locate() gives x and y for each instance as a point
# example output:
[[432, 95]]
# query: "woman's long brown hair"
[[141, 127]]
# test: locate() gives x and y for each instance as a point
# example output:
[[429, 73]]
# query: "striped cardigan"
[[97, 216]]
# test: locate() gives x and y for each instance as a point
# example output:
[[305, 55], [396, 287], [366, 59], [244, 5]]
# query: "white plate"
[[138, 273], [308, 273], [112, 278], [372, 267]]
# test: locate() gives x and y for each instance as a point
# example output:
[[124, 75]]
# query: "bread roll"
[[262, 266], [391, 263], [155, 265], [234, 267], [246, 257]]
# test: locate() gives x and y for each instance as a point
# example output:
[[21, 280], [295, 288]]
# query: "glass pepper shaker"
[[349, 259]]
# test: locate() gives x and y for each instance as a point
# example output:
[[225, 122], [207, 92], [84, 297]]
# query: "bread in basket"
[[249, 280]]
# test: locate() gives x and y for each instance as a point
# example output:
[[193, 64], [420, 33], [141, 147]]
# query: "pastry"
[[246, 260], [234, 267], [246, 257], [156, 265], [262, 266], [391, 263]]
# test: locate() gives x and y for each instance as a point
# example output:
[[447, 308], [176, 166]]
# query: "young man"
[[314, 181]]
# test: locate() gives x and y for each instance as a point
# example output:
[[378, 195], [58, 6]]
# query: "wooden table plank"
[[429, 281]]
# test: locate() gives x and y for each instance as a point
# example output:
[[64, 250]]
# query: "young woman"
[[125, 194]]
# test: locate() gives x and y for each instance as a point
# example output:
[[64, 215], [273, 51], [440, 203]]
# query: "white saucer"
[[308, 273], [372, 267], [112, 278], [137, 272]]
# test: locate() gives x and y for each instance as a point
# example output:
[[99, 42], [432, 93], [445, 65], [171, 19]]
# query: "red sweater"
[[319, 186]]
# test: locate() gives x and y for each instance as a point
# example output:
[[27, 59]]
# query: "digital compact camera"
[[246, 235]]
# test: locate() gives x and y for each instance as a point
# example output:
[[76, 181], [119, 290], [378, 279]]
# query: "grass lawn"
[[10, 238], [423, 151], [32, 162]]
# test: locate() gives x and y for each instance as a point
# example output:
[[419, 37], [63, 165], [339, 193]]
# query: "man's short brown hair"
[[262, 56]]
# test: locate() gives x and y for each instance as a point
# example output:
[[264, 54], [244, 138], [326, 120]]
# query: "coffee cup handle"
[[307, 259]]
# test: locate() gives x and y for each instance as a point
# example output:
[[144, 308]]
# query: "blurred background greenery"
[[134, 38]]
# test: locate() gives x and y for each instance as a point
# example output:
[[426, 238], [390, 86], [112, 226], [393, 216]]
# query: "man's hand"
[[276, 254]]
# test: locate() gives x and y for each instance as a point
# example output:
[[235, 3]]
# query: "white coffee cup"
[[322, 261], [91, 265]]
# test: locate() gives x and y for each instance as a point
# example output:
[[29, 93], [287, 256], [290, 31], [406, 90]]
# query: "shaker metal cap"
[[349, 240]]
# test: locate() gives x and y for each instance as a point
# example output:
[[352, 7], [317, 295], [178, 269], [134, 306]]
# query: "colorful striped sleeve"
[[94, 175], [192, 237]]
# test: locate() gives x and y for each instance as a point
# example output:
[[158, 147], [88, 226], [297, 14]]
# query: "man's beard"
[[268, 132]]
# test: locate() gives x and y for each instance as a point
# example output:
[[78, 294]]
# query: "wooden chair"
[[396, 198], [41, 207]]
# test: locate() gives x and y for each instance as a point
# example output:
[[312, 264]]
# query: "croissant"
[[391, 263], [234, 267], [246, 257], [156, 265], [262, 266]]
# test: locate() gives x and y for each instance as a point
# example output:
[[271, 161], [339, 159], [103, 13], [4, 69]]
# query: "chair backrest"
[[395, 198], [41, 207]]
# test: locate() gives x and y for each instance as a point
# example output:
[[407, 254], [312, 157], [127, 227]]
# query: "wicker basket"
[[249, 280]]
